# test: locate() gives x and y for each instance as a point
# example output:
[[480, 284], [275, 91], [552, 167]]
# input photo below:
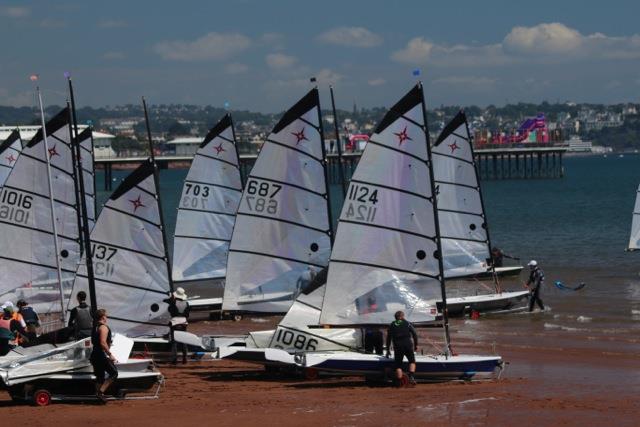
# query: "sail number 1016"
[[361, 203]]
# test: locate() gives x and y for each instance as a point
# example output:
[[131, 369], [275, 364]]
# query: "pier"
[[492, 163]]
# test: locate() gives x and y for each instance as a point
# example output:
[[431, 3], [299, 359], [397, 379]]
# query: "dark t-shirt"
[[401, 334]]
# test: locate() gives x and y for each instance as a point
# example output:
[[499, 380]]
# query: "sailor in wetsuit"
[[101, 358], [405, 342], [536, 279]]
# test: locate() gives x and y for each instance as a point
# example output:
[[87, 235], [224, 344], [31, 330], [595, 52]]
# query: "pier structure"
[[493, 163]]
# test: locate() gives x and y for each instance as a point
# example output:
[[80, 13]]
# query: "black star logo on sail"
[[402, 136], [10, 158], [300, 136], [454, 146], [53, 152], [218, 149], [137, 203]]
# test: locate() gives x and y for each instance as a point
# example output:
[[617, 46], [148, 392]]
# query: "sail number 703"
[[361, 203]]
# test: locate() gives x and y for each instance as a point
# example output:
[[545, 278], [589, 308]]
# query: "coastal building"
[[101, 140]]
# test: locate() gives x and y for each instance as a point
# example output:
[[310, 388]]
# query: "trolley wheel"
[[310, 374], [404, 381], [237, 317], [41, 398]]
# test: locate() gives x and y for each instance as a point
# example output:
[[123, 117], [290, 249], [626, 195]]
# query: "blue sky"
[[258, 55]]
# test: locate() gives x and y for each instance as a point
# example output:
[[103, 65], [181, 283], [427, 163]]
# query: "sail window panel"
[[129, 232], [18, 277], [455, 146], [205, 225], [373, 295], [199, 259], [463, 258], [405, 135], [383, 207], [400, 171], [382, 248], [459, 199], [127, 308], [285, 165], [211, 171], [281, 201], [301, 135], [447, 169], [456, 225], [305, 309], [208, 198], [262, 278], [281, 239]]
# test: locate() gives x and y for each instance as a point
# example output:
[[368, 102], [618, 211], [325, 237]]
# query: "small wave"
[[584, 319], [560, 327], [258, 320]]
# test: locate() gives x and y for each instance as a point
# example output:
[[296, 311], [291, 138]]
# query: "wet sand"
[[578, 364]]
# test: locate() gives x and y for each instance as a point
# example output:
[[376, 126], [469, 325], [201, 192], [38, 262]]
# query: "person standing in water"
[[535, 282], [102, 359], [405, 342]]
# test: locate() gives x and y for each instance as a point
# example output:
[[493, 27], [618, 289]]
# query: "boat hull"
[[491, 303]]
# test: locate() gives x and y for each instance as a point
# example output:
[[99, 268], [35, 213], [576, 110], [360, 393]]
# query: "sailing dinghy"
[[386, 255], [634, 238], [282, 235], [206, 216], [464, 229], [38, 258]]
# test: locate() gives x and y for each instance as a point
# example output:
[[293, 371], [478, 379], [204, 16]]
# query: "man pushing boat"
[[405, 342]]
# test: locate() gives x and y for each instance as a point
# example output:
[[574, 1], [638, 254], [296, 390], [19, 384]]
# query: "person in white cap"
[[535, 282], [179, 311]]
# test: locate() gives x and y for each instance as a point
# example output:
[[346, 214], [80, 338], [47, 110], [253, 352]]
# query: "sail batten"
[[283, 232]]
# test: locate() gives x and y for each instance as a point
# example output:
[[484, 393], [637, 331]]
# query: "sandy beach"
[[563, 369]]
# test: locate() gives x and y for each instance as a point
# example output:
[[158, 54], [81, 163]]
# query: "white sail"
[[130, 268], [282, 231], [28, 266], [88, 173], [463, 227], [207, 213], [384, 257], [634, 239], [10, 150]]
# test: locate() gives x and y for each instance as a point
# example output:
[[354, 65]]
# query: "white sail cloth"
[[384, 255], [28, 265], [463, 228], [10, 149], [88, 174], [207, 210], [634, 238], [130, 268], [281, 237]]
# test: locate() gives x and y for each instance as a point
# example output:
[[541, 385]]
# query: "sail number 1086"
[[361, 203]]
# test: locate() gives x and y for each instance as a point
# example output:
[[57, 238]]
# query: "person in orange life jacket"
[[179, 311], [101, 359], [30, 319], [81, 318], [10, 329], [405, 342]]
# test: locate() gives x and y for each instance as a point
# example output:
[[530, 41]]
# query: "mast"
[[51, 199], [445, 314], [84, 231], [343, 182], [496, 283], [157, 183], [233, 132], [326, 175]]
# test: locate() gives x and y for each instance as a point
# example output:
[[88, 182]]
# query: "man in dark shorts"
[[405, 342]]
